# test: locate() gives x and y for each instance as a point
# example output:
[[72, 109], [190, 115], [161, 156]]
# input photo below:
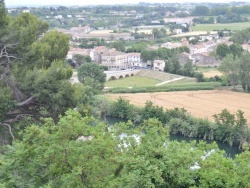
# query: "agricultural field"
[[209, 71], [133, 81], [101, 31], [220, 26], [193, 33], [183, 81], [202, 104]]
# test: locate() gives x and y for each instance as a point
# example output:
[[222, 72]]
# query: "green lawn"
[[182, 81], [219, 26], [133, 81]]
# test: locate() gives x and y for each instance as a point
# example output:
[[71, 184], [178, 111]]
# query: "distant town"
[[107, 34]]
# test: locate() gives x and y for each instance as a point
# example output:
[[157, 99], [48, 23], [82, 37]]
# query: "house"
[[204, 59], [198, 48], [155, 22], [187, 20], [169, 14], [246, 47], [26, 11], [73, 51], [225, 41], [209, 37], [184, 57], [159, 65], [115, 60], [184, 42], [171, 45], [177, 31], [80, 30], [96, 53], [134, 59], [133, 12], [58, 17]]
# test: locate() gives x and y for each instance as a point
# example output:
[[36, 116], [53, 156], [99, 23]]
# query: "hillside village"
[[200, 53], [166, 25]]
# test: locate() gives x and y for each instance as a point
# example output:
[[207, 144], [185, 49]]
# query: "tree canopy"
[[93, 75], [33, 76], [82, 152]]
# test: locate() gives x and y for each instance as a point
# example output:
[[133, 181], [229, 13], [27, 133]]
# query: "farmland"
[[211, 27], [193, 33], [209, 71], [134, 81], [202, 104]]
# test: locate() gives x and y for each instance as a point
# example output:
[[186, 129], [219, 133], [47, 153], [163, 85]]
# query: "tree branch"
[[10, 131], [17, 118], [27, 101]]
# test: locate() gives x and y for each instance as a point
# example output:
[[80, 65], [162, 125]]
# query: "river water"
[[229, 151]]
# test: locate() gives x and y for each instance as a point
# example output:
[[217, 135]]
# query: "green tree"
[[80, 59], [118, 45], [53, 46], [201, 10], [188, 69], [66, 154], [236, 50], [245, 71], [38, 86], [137, 47], [230, 68], [92, 74], [222, 50]]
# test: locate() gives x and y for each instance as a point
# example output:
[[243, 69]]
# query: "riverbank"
[[203, 104]]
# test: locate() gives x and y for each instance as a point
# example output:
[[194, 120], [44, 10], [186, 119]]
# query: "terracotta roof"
[[133, 54], [113, 53], [159, 61]]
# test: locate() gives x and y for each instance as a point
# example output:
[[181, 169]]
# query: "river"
[[229, 151]]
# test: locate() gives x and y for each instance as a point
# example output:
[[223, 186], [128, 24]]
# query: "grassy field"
[[219, 26], [133, 81], [202, 104], [182, 81], [209, 71], [101, 31], [193, 33]]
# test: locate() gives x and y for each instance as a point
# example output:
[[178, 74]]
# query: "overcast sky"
[[96, 2]]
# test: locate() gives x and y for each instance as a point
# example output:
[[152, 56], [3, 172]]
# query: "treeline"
[[230, 128], [241, 37], [235, 64], [203, 10], [162, 53], [236, 70], [223, 14]]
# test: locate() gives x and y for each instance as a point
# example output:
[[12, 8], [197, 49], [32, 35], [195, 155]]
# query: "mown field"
[[202, 104], [133, 81], [220, 26], [193, 33], [209, 71]]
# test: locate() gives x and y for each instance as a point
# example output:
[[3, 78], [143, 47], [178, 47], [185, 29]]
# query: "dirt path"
[[199, 103]]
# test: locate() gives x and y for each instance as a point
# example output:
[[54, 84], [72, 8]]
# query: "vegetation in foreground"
[[82, 152]]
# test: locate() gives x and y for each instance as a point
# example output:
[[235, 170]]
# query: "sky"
[[97, 2]]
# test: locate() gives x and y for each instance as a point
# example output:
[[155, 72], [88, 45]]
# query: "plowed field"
[[199, 103]]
